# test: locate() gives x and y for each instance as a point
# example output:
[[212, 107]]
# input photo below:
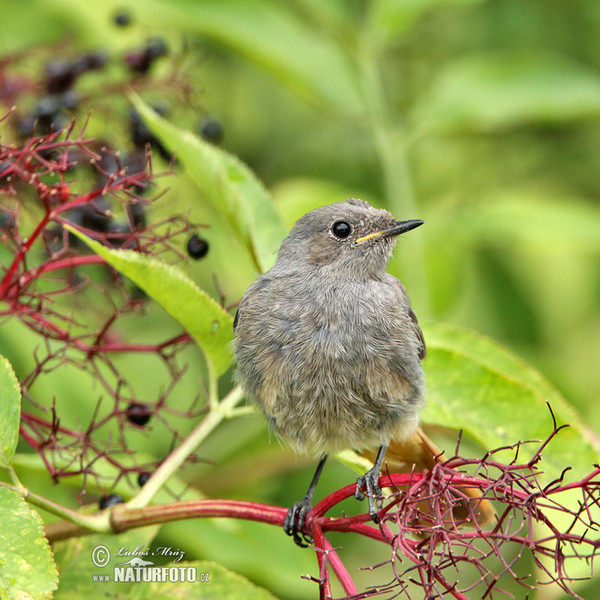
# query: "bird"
[[328, 346]]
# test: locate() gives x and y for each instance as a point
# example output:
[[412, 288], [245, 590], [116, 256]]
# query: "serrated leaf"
[[476, 385], [495, 91], [227, 183], [207, 322], [74, 558], [27, 568], [10, 411], [77, 571]]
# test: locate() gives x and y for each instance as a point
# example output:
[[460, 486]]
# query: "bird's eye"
[[341, 229]]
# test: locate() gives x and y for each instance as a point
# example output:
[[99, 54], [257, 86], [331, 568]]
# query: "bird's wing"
[[405, 301], [418, 333], [258, 285]]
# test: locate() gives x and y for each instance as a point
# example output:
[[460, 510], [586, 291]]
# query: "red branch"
[[425, 535]]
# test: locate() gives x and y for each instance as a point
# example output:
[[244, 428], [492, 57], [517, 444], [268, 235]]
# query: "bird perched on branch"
[[328, 346]]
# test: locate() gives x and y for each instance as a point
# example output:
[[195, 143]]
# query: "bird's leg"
[[370, 482], [294, 520]]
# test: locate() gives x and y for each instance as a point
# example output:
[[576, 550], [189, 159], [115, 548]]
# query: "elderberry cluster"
[[75, 158], [68, 86]]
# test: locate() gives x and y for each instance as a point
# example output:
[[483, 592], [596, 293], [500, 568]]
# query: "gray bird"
[[328, 346]]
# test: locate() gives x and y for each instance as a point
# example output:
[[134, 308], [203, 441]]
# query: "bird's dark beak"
[[397, 228], [400, 227]]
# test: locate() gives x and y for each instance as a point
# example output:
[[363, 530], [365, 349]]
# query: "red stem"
[[123, 518], [20, 255], [327, 555], [78, 201], [64, 263], [321, 548], [23, 309]]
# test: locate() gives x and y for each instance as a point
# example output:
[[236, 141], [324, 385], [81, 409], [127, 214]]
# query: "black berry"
[[94, 215], [136, 163], [138, 414], [70, 100], [60, 76], [143, 478], [212, 130], [155, 48], [48, 113], [122, 18], [197, 248], [137, 215], [137, 61], [90, 61], [25, 126], [141, 135], [140, 61], [118, 233], [110, 500], [5, 165], [7, 220]]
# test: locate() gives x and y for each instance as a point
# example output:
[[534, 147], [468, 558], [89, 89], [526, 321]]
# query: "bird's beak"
[[396, 229]]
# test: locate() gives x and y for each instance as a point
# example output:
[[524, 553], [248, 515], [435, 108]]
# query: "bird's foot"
[[294, 522], [368, 485]]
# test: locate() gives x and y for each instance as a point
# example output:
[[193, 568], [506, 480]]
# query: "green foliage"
[[534, 224], [480, 117], [10, 411], [74, 559], [492, 92], [200, 315], [26, 564], [480, 387], [228, 184], [473, 383], [277, 40]]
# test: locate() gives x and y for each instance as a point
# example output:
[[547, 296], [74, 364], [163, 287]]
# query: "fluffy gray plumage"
[[326, 342]]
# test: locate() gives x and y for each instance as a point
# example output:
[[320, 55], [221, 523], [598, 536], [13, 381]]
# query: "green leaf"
[[227, 183], [27, 568], [392, 19], [249, 547], [10, 411], [198, 313], [221, 583], [541, 223], [74, 558], [273, 36], [489, 92], [476, 385]]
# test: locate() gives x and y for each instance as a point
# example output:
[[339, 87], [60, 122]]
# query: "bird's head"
[[351, 237]]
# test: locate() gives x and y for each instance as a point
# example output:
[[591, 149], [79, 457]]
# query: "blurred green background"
[[480, 117]]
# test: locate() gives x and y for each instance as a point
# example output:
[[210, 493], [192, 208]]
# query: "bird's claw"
[[294, 522], [368, 485]]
